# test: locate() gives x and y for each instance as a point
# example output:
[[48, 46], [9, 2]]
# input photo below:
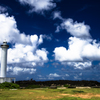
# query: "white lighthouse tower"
[[4, 47], [3, 77]]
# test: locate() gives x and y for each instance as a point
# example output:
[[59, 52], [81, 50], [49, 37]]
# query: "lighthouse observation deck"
[[4, 45]]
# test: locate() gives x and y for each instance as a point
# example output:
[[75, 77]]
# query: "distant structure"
[[3, 77]]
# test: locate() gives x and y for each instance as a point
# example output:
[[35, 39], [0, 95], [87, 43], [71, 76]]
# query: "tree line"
[[90, 83]]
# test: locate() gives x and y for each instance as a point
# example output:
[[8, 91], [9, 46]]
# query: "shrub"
[[95, 87], [72, 87], [32, 86], [66, 85], [53, 87], [7, 85]]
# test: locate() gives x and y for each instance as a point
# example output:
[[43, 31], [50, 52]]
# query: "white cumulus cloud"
[[79, 50], [38, 5], [67, 75], [54, 75], [9, 31], [74, 28], [80, 65], [24, 51], [19, 70], [82, 50]]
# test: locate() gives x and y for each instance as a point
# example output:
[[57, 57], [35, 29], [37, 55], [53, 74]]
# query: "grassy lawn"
[[50, 94]]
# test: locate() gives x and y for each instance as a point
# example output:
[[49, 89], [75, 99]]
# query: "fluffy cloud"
[[79, 50], [19, 70], [54, 75], [38, 5], [21, 53], [74, 51], [24, 51], [9, 31], [8, 27], [79, 65], [66, 75], [74, 28], [92, 51], [82, 50]]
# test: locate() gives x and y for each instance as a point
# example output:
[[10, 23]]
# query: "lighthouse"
[[4, 47], [3, 77]]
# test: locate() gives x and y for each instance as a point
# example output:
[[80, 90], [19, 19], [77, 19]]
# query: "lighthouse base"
[[7, 79]]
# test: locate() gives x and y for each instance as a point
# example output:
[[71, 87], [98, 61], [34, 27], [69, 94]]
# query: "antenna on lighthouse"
[[4, 40]]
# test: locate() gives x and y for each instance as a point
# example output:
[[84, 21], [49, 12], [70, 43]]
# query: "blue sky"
[[51, 39]]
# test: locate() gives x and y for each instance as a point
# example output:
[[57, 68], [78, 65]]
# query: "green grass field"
[[50, 94]]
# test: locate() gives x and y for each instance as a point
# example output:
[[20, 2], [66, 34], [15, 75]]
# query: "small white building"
[[7, 79], [3, 77]]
